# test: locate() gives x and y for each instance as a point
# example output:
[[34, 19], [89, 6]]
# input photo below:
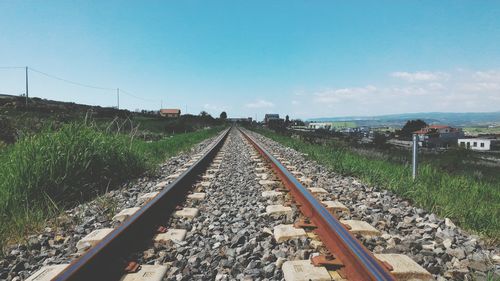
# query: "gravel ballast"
[[442, 248], [231, 238]]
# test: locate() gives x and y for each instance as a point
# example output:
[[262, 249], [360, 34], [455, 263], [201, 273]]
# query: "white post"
[[415, 154]]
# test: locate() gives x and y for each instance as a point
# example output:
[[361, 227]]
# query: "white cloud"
[[420, 76], [338, 95], [295, 102], [260, 104], [458, 90], [491, 75]]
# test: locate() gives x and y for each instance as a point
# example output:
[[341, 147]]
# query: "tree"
[[410, 127], [203, 113], [287, 121], [223, 115]]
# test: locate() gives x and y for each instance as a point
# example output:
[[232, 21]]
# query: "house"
[[240, 120], [170, 112], [480, 144], [269, 117], [438, 136], [321, 125]]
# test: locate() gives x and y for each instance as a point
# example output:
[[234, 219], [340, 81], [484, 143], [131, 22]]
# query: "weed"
[[471, 203]]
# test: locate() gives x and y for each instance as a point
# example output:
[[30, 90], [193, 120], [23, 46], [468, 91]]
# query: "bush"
[[53, 170], [472, 204]]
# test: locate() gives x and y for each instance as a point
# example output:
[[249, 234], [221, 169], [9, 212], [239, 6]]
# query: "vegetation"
[[45, 173], [411, 126], [17, 120], [471, 203], [482, 130]]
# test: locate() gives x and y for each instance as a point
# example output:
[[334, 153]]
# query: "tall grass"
[[53, 170], [472, 204]]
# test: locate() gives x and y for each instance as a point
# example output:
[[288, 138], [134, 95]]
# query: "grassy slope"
[[473, 204], [45, 173]]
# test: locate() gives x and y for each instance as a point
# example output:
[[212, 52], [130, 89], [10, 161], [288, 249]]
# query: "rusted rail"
[[355, 261], [107, 259]]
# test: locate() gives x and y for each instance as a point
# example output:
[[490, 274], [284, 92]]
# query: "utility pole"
[[415, 154], [161, 104], [26, 86], [117, 98]]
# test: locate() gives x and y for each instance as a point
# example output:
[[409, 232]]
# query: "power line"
[[134, 96], [71, 82], [79, 83], [11, 67]]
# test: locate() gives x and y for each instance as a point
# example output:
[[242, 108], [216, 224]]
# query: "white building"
[[321, 125], [475, 144]]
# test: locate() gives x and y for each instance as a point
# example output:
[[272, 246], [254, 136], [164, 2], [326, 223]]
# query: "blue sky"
[[302, 58]]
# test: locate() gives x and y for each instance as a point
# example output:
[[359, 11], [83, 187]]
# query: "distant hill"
[[397, 120]]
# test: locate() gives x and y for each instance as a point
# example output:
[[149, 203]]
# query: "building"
[[321, 125], [480, 144], [240, 120], [269, 117], [438, 136], [170, 112]]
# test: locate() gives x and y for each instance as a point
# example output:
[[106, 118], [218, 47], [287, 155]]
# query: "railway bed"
[[236, 211]]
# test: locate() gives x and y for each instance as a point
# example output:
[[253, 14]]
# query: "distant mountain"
[[397, 120]]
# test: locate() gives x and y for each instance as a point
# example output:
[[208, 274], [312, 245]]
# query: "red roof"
[[170, 111], [438, 127]]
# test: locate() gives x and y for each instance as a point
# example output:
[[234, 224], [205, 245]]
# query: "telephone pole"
[[117, 98], [415, 157], [26, 86]]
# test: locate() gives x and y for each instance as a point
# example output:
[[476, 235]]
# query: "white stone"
[[173, 176], [125, 213], [304, 270], [187, 213], [181, 170], [260, 169], [147, 273], [46, 273], [496, 259], [212, 171], [285, 232], [92, 238], [205, 183], [147, 196], [361, 227], [268, 182], [263, 176], [176, 235], [188, 164], [291, 167], [197, 196], [161, 185], [278, 210], [404, 268], [335, 207], [306, 181], [297, 173], [317, 190], [208, 177], [271, 194], [449, 223]]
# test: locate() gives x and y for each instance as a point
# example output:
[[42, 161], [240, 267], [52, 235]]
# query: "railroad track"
[[338, 254]]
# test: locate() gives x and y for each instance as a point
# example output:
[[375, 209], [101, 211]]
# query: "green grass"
[[472, 204], [43, 174], [481, 130]]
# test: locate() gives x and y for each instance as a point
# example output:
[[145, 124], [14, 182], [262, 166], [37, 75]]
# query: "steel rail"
[[107, 259], [358, 263]]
